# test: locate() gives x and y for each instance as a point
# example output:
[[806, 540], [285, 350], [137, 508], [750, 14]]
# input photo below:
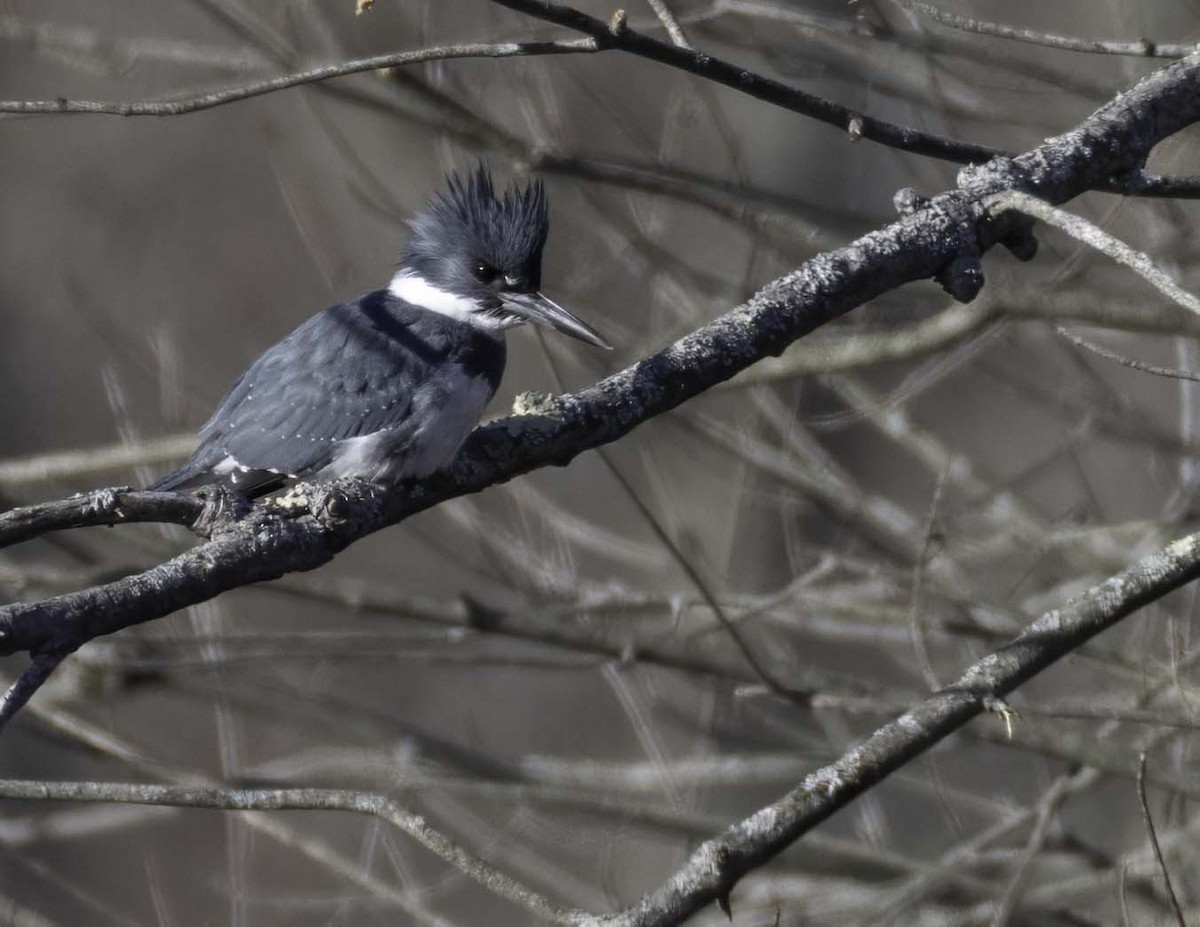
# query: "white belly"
[[439, 421]]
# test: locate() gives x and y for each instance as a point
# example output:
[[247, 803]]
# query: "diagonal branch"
[[1131, 363], [669, 22], [1093, 236], [21, 691], [618, 35], [942, 238], [716, 866], [1153, 834]]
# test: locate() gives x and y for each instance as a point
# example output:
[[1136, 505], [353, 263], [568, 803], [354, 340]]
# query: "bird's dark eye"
[[484, 272]]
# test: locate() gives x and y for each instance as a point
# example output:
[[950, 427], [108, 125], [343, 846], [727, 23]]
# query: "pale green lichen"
[[1183, 548], [533, 410], [296, 498], [533, 402]]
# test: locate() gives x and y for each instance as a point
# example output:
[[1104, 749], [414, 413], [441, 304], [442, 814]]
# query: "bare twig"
[[294, 800], [955, 324], [1158, 854], [950, 326], [1142, 48], [618, 35], [916, 593], [670, 23], [1046, 809], [602, 36], [694, 576], [83, 734], [193, 104], [748, 82], [718, 864], [1086, 778], [748, 652], [1124, 361], [1095, 237]]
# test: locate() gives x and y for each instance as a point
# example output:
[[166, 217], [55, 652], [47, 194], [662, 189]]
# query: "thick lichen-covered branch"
[[941, 238]]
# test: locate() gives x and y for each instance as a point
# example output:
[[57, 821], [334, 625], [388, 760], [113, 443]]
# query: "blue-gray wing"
[[346, 372]]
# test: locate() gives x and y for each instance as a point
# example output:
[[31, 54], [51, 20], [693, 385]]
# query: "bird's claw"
[[333, 503], [1004, 710]]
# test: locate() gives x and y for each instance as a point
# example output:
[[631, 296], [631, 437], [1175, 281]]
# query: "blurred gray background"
[[532, 668]]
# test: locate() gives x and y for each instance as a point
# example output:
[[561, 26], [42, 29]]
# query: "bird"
[[387, 386]]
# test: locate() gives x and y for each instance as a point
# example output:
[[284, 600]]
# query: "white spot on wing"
[[231, 463], [226, 466]]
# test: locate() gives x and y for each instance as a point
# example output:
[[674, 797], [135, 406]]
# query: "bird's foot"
[[222, 506], [331, 503]]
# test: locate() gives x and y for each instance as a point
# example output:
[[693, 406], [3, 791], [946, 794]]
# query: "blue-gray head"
[[478, 256]]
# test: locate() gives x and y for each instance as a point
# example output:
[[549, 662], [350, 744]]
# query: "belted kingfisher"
[[388, 386]]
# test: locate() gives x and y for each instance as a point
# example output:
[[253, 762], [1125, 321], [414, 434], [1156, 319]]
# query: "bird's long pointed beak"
[[536, 308]]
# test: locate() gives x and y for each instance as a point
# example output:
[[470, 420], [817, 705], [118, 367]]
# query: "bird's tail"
[[198, 472], [189, 476]]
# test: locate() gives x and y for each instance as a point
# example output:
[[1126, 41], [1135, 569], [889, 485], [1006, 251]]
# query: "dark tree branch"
[[941, 238], [21, 691], [600, 37], [617, 35], [100, 507]]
